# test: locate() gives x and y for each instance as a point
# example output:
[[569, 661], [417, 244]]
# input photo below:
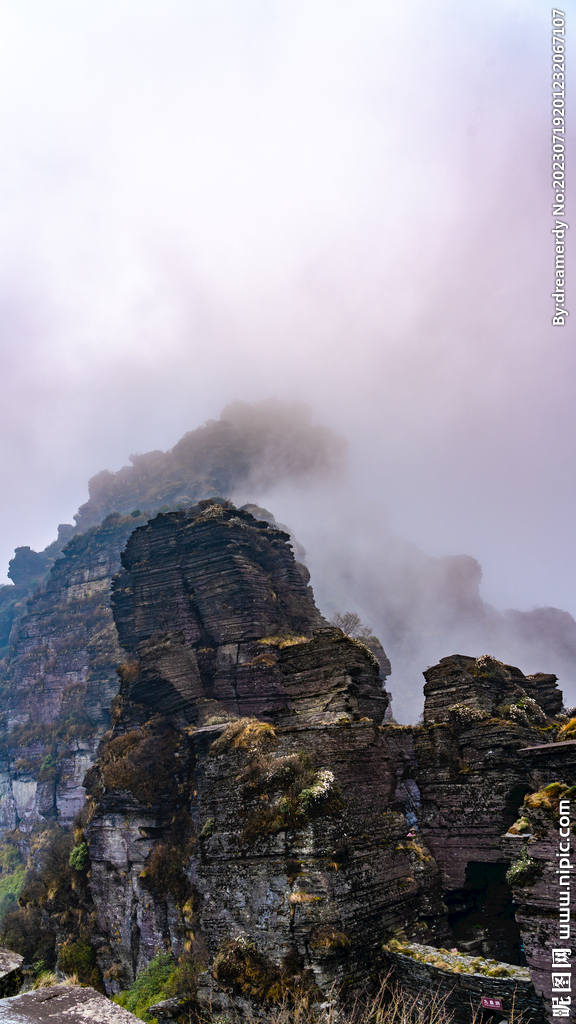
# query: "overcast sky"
[[346, 203]]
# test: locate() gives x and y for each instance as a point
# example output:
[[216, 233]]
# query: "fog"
[[346, 205]]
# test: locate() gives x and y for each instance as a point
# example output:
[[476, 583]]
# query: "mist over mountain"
[[250, 446], [421, 607]]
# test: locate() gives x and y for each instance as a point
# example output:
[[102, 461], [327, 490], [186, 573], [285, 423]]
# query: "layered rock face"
[[58, 683], [58, 643], [460, 982], [472, 777], [248, 807], [59, 677], [247, 754], [540, 900], [26, 570], [477, 688], [485, 749]]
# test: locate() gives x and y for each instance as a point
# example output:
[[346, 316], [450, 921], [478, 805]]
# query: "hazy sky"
[[346, 203]]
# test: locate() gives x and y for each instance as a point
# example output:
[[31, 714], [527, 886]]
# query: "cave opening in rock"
[[513, 805], [481, 915]]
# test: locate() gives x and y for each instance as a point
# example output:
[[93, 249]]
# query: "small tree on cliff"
[[350, 623]]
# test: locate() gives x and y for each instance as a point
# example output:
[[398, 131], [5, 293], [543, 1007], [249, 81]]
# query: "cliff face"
[[58, 683], [58, 643], [271, 786], [249, 805], [479, 714], [485, 749], [27, 571]]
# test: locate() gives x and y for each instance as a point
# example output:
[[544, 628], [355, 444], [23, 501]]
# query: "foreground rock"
[[10, 974], [69, 1003]]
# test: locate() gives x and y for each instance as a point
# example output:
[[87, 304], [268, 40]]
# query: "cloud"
[[345, 207]]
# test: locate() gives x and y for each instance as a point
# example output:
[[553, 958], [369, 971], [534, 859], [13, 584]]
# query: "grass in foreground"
[[389, 1005]]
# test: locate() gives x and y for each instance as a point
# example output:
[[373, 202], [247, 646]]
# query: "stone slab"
[[9, 961], [68, 1004]]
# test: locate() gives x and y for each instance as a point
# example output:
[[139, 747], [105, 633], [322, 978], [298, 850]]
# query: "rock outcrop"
[[10, 974], [486, 747], [59, 682], [58, 643], [459, 983], [479, 714], [251, 797], [69, 1003], [271, 789], [250, 802]]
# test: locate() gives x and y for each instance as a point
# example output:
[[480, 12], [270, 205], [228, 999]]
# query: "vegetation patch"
[[299, 897], [54, 737], [266, 660], [127, 760], [454, 961], [207, 829], [462, 715], [78, 958], [164, 870], [128, 672], [54, 908], [524, 711], [568, 731], [487, 666], [520, 827], [328, 939], [524, 870], [419, 851], [79, 858], [240, 966], [548, 799], [12, 871], [284, 640], [163, 978], [284, 793], [149, 987], [248, 734]]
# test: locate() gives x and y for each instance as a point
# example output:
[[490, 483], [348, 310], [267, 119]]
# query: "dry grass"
[[46, 980], [247, 733], [389, 1005], [285, 640], [548, 799], [421, 854], [329, 938], [568, 731], [125, 763], [302, 897]]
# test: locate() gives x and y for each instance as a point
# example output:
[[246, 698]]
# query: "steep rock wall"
[[472, 776], [58, 682], [487, 745], [271, 785]]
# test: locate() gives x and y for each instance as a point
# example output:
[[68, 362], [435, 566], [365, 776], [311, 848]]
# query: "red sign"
[[491, 1004]]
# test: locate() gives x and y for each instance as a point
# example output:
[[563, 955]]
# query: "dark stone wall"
[[273, 761]]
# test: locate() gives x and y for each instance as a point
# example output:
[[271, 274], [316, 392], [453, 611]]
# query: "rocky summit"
[[247, 753]]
